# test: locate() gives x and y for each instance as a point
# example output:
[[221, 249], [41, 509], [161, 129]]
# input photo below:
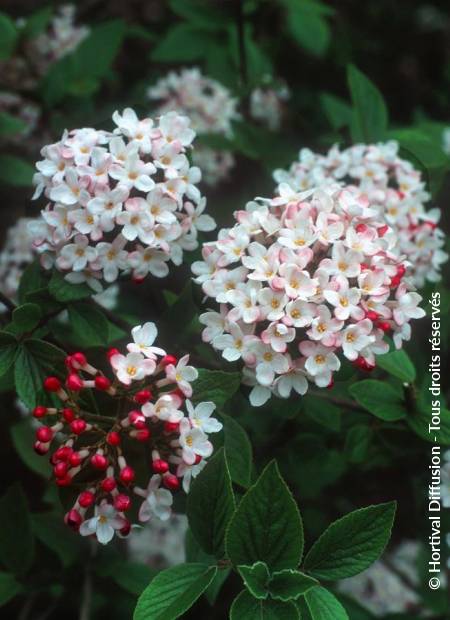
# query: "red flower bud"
[[52, 384], [60, 470], [142, 435], [113, 438], [171, 427], [361, 228], [122, 502], [102, 383], [99, 461], [75, 459], [126, 529], [79, 359], [64, 482], [127, 474], [44, 434], [167, 360], [73, 519], [112, 352], [40, 448], [108, 485], [372, 315], [86, 499], [383, 325], [74, 382], [68, 414], [137, 419], [78, 426], [170, 481], [160, 466], [143, 397], [39, 411]]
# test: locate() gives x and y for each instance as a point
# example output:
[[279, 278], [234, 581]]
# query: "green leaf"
[[8, 36], [51, 531], [289, 584], [10, 125], [337, 111], [420, 423], [96, 53], [256, 578], [210, 505], [132, 577], [9, 587], [239, 451], [26, 317], [323, 605], [173, 591], [245, 607], [199, 13], [327, 415], [267, 525], [398, 364], [33, 279], [380, 398], [308, 26], [8, 351], [89, 324], [357, 443], [37, 22], [370, 117], [183, 42], [23, 438], [16, 541], [215, 385], [351, 544], [64, 291], [214, 588], [15, 171], [35, 360]]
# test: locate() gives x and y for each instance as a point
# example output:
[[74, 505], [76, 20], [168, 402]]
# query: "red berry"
[[78, 426], [160, 466], [108, 485], [102, 383], [75, 459], [122, 502], [372, 315], [86, 499], [60, 470], [44, 434], [113, 438], [127, 474], [143, 435], [170, 481], [52, 384], [62, 454], [167, 360], [39, 411], [40, 448], [126, 529], [99, 462], [68, 414], [137, 419], [171, 427], [64, 482], [143, 397], [73, 519], [79, 358], [112, 352], [74, 382]]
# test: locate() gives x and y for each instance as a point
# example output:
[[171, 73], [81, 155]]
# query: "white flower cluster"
[[159, 544], [395, 189], [61, 37], [300, 279], [109, 191], [211, 109], [16, 254], [266, 105]]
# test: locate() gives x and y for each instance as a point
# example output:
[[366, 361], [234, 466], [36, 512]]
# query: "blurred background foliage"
[[336, 456]]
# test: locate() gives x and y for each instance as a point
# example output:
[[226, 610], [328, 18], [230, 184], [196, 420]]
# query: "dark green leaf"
[[9, 587], [96, 53], [8, 351], [370, 117], [325, 414], [183, 42], [210, 505], [399, 364], [256, 579], [289, 584], [215, 385], [89, 324], [10, 125], [379, 398], [132, 577], [351, 544], [200, 13], [173, 591], [15, 171], [32, 280], [62, 290], [245, 607], [267, 525], [323, 605], [337, 111], [239, 451], [357, 443], [26, 317], [308, 26], [36, 359], [8, 36], [16, 541]]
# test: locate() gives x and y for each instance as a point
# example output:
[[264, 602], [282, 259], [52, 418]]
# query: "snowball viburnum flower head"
[[303, 280], [120, 202]]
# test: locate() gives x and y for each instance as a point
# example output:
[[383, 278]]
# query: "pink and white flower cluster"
[[119, 202], [267, 104], [149, 405], [211, 109], [395, 189], [302, 280], [16, 254]]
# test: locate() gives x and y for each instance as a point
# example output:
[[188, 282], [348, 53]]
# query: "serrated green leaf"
[[288, 584], [210, 505], [256, 578], [380, 398], [26, 317], [370, 117], [89, 324], [8, 351], [9, 587], [398, 364], [16, 541], [266, 526], [323, 605], [35, 360], [246, 607], [173, 591], [239, 451], [64, 291], [32, 280], [215, 385], [351, 544]]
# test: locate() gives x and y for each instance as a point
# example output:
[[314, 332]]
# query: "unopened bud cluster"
[[145, 417]]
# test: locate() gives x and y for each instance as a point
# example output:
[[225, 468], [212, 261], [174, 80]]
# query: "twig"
[[341, 402]]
